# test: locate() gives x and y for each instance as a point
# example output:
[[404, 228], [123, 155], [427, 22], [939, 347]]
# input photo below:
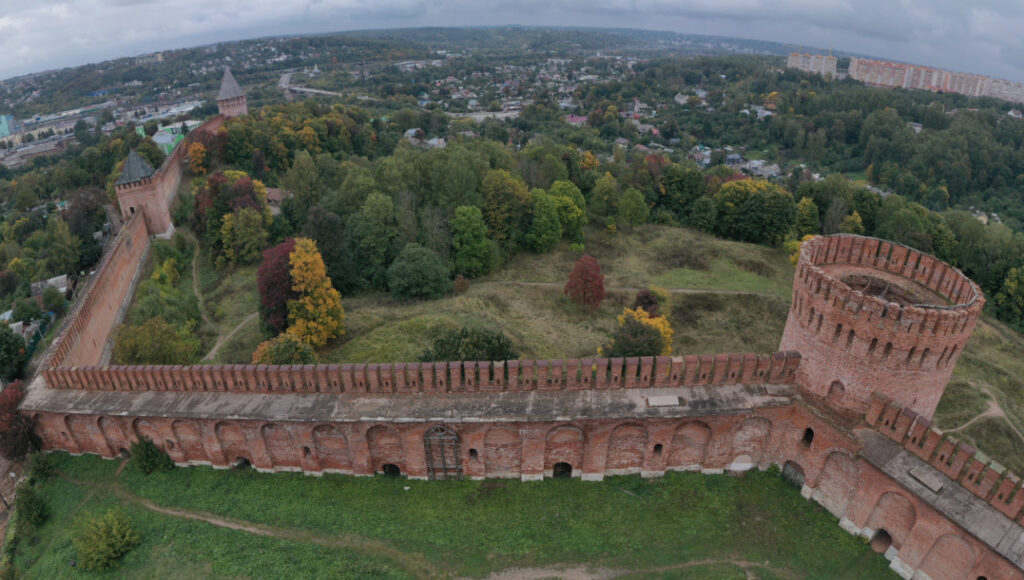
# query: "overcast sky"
[[981, 36]]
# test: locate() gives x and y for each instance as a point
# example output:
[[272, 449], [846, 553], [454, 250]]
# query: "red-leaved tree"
[[586, 283], [274, 281]]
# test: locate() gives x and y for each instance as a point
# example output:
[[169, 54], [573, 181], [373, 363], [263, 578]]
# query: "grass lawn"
[[381, 527]]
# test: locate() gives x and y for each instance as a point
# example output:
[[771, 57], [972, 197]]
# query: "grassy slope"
[[464, 527], [542, 323]]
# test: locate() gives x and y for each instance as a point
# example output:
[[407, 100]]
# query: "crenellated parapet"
[[438, 377], [976, 472], [871, 316]]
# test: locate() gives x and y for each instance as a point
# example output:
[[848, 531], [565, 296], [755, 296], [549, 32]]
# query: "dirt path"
[[631, 289], [413, 563], [993, 410], [224, 339], [195, 281], [584, 573]]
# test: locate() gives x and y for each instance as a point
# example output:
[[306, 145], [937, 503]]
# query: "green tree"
[[418, 273], [604, 200], [506, 207], [572, 208], [807, 223], [26, 310], [470, 344], [12, 354], [374, 232], [474, 253], [703, 215], [155, 342], [546, 227], [852, 224], [755, 211], [303, 181], [53, 300], [243, 236], [101, 541], [335, 244], [633, 208], [1010, 300], [683, 187]]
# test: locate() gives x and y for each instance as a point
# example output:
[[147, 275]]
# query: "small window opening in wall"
[[170, 444], [474, 454], [881, 541], [561, 469], [391, 470], [124, 453], [982, 578], [888, 349], [839, 332], [242, 463], [850, 337], [808, 437], [306, 452], [910, 355], [836, 390], [942, 458], [133, 210], [657, 450], [874, 344]]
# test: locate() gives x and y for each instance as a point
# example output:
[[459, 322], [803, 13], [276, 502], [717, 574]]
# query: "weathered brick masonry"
[[873, 334]]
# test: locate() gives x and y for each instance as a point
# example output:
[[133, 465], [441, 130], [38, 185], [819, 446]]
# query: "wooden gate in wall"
[[442, 448]]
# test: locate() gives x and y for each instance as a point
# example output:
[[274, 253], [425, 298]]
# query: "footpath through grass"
[[460, 528]]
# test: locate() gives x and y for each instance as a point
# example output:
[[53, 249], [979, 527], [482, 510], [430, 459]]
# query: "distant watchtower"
[[138, 192], [231, 98]]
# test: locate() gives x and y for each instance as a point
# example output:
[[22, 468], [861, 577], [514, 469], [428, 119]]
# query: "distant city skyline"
[[980, 37]]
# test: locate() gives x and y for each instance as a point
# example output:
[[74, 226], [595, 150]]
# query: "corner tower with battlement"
[[138, 192], [231, 98], [874, 317]]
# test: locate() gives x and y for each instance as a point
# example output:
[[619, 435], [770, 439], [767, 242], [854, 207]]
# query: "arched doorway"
[[881, 541], [794, 474], [561, 470], [442, 447]]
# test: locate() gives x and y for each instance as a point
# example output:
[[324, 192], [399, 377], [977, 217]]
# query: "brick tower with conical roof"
[[231, 98], [137, 192]]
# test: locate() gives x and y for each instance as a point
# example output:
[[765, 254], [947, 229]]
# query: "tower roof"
[[229, 88], [135, 169]]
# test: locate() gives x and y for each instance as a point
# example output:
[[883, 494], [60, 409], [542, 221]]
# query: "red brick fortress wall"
[[88, 327], [442, 377], [856, 344]]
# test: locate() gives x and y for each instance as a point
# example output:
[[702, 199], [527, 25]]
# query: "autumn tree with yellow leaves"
[[316, 316]]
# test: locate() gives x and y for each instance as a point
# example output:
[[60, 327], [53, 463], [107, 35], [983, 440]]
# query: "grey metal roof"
[[229, 88], [135, 169]]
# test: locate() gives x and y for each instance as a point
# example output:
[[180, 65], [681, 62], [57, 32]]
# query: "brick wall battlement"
[[973, 470], [440, 377], [91, 321]]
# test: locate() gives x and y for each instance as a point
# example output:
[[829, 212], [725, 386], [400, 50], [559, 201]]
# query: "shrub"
[[284, 349], [53, 300], [478, 344], [40, 467], [31, 509], [147, 457], [577, 247], [586, 283], [634, 338], [647, 300], [418, 273], [26, 310], [102, 541]]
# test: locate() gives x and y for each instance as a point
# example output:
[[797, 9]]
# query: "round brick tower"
[[870, 316]]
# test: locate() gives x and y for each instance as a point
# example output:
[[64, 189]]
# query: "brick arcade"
[[844, 408]]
